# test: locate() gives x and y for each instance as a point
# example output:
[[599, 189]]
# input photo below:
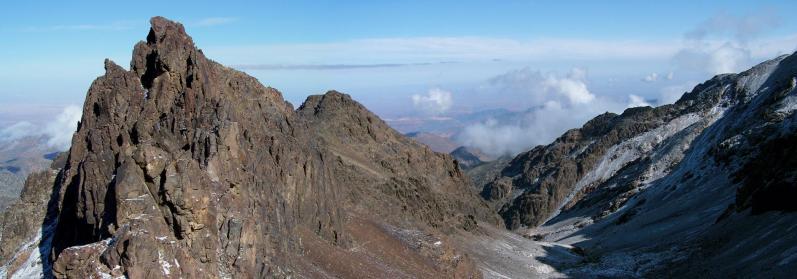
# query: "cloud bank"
[[57, 133], [329, 66], [437, 49], [565, 103]]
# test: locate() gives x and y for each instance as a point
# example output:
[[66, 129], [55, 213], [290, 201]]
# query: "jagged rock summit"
[[184, 168]]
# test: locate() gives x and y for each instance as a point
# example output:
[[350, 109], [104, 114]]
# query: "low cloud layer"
[[565, 102], [330, 66], [435, 102], [57, 133]]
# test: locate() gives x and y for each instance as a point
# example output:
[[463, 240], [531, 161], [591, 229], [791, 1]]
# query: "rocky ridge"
[[182, 167]]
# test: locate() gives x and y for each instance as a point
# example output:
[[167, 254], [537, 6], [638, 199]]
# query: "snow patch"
[[165, 265], [34, 266], [789, 103]]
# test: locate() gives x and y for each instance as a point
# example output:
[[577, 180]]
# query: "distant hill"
[[436, 142], [470, 157]]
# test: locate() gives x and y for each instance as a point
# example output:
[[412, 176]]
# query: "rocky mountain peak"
[[182, 167], [168, 49]]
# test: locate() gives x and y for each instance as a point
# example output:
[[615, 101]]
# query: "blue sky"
[[52, 51]]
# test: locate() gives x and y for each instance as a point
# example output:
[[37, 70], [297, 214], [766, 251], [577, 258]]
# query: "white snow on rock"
[[34, 266], [165, 265], [619, 155]]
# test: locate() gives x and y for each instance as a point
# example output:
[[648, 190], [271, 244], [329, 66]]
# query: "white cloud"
[[740, 27], [727, 43], [562, 102], [573, 86], [669, 76], [651, 77], [436, 101], [637, 101], [215, 21], [540, 87], [730, 57], [17, 131], [670, 94], [481, 49], [57, 133], [441, 49]]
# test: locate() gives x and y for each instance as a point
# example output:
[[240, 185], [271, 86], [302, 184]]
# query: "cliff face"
[[182, 167]]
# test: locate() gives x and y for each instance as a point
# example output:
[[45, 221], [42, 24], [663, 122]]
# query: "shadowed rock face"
[[182, 167]]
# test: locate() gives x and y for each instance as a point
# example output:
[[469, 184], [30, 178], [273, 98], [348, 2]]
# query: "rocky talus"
[[184, 168]]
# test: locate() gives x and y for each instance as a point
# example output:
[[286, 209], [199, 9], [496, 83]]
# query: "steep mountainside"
[[703, 186], [184, 168]]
